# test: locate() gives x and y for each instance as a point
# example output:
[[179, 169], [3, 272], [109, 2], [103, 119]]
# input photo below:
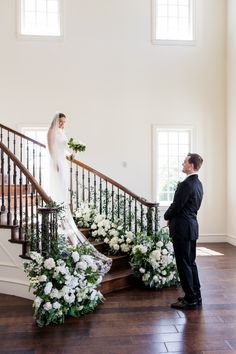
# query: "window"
[[173, 21], [40, 17], [170, 148]]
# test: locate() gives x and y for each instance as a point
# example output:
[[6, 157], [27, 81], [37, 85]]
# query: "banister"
[[21, 135], [108, 179], [29, 176]]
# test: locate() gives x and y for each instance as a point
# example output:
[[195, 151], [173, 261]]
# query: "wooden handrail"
[[24, 170], [22, 135], [108, 179]]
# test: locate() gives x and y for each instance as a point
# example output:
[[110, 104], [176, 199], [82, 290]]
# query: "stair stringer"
[[13, 280]]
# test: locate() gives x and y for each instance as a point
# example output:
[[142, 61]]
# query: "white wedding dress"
[[59, 189]]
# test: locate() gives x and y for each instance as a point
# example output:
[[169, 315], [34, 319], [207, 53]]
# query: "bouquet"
[[76, 146]]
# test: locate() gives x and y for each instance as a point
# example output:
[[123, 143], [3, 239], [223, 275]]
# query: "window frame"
[[155, 177], [173, 42], [41, 36]]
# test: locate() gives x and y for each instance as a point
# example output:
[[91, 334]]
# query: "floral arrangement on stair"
[[152, 260], [118, 240], [64, 284], [151, 257]]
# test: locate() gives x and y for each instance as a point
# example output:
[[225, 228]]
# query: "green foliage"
[[76, 146]]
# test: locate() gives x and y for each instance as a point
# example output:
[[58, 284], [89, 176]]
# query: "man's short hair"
[[196, 160]]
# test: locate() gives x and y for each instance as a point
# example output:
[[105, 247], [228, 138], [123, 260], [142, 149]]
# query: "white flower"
[[36, 257], [56, 305], [142, 270], [37, 302], [146, 276], [159, 244], [48, 288], [69, 298], [42, 278], [125, 248], [47, 306], [49, 263], [55, 294], [116, 247], [75, 256], [82, 265], [164, 251]]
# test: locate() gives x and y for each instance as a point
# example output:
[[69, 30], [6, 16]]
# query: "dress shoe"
[[184, 305], [199, 300]]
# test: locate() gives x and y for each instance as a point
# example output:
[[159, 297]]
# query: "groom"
[[181, 218]]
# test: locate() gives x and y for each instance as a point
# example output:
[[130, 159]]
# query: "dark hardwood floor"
[[137, 321]]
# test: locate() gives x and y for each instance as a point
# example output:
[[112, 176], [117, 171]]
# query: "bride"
[[59, 185]]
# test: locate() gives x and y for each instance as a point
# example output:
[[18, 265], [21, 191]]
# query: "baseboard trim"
[[205, 238]]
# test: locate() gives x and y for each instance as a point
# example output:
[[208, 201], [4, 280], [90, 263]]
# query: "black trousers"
[[185, 254]]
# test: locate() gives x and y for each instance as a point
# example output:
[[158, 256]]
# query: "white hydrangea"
[[56, 305], [37, 302], [48, 288], [49, 263], [47, 306], [75, 256], [42, 278]]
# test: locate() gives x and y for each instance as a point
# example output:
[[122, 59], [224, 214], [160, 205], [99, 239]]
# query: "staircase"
[[22, 194]]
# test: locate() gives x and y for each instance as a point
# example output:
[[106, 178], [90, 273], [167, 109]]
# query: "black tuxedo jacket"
[[182, 213]]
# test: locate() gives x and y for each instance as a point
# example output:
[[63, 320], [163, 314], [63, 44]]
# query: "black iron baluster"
[[83, 187], [89, 191], [150, 221], [21, 194], [37, 236], [31, 209], [156, 219], [130, 212], [33, 159], [26, 219], [15, 221], [100, 192], [106, 204], [118, 203], [141, 218], [3, 208], [135, 217], [40, 166], [9, 218], [112, 203], [95, 190], [124, 210], [77, 186]]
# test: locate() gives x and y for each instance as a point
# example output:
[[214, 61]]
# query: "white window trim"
[[36, 36], [178, 42], [155, 128]]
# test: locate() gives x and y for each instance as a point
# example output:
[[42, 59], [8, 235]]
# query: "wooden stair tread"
[[118, 274]]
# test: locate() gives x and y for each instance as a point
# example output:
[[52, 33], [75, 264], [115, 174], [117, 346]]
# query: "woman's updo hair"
[[61, 115]]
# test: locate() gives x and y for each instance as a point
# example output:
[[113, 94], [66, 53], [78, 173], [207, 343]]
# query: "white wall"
[[113, 84], [231, 121]]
